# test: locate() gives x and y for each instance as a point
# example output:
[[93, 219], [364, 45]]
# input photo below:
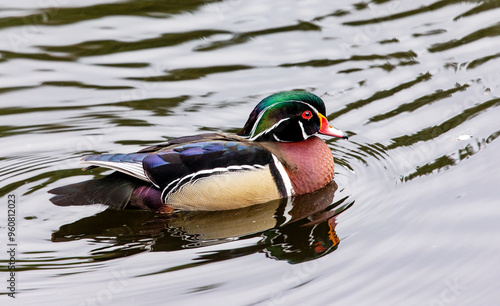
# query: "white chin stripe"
[[304, 135], [284, 177]]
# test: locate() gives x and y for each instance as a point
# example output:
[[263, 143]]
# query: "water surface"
[[415, 215]]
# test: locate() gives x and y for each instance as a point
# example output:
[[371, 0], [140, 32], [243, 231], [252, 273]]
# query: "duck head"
[[289, 117]]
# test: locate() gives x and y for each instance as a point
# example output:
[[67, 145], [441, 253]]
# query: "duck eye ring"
[[307, 115]]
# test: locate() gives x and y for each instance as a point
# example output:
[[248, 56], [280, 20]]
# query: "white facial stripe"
[[253, 137], [269, 129], [262, 112], [276, 138], [284, 177]]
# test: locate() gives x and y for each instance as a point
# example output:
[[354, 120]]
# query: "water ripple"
[[414, 84]]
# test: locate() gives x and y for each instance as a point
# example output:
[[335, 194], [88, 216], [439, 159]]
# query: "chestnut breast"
[[309, 163]]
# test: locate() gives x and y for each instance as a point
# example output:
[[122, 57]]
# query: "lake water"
[[414, 218]]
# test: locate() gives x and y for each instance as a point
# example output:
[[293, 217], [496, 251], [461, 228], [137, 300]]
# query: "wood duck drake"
[[275, 155]]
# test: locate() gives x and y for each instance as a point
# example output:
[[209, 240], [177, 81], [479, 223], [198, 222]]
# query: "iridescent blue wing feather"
[[201, 159], [181, 160], [131, 164]]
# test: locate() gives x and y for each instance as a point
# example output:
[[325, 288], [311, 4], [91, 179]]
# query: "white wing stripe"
[[168, 190], [133, 169]]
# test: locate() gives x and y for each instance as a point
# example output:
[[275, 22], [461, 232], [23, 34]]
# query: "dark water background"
[[416, 84]]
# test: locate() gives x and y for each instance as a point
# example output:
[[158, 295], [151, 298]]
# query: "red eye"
[[307, 115]]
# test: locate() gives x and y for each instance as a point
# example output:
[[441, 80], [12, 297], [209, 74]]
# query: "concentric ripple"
[[413, 212]]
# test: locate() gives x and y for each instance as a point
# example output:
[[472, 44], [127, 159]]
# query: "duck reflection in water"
[[295, 229]]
